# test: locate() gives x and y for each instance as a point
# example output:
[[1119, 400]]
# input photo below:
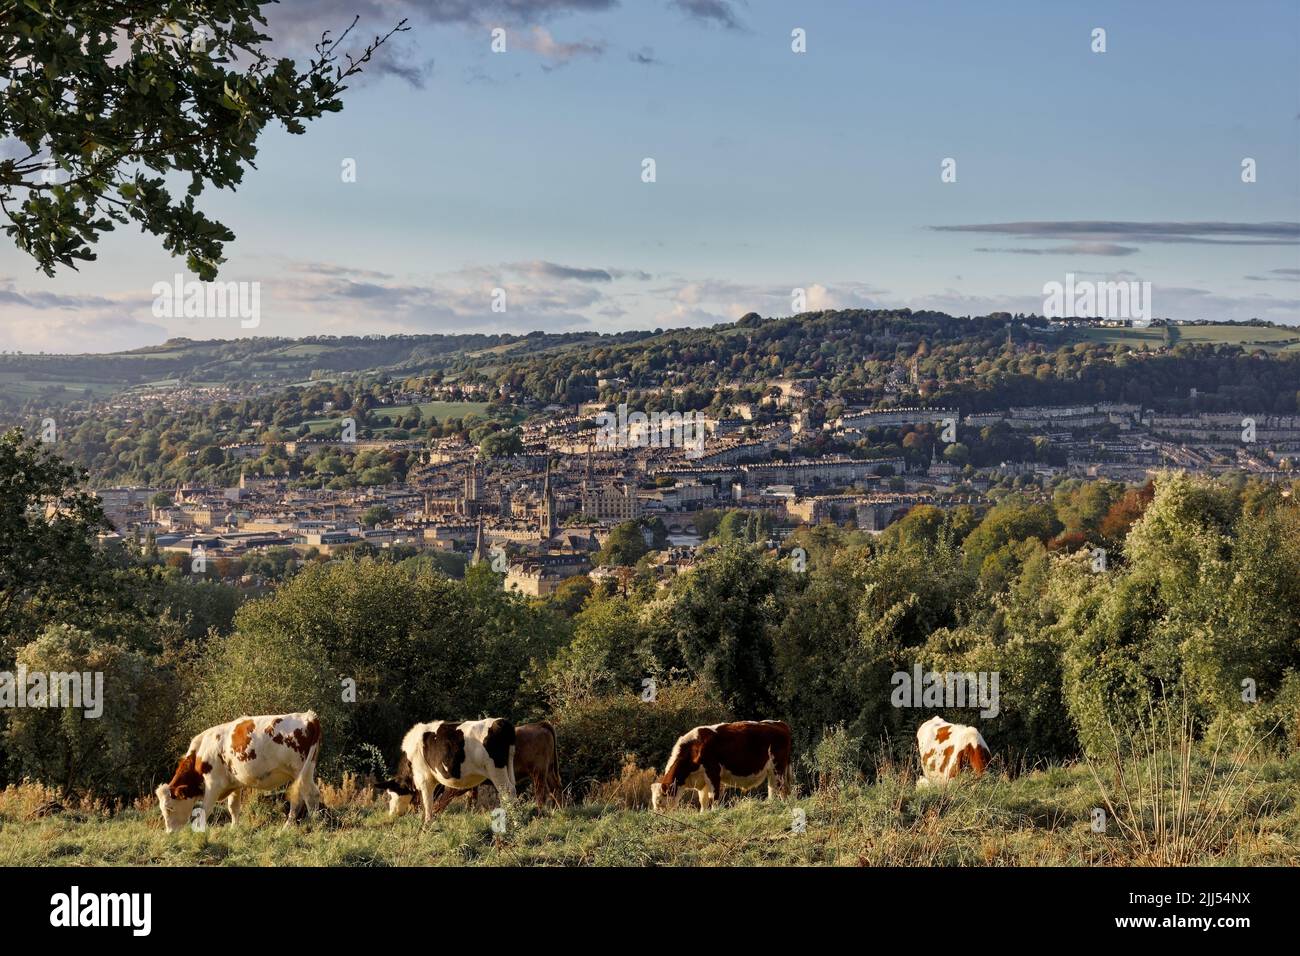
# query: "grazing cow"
[[535, 760], [459, 756], [233, 760], [946, 749], [743, 754]]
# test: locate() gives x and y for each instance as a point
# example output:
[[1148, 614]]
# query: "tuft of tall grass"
[[1173, 804], [629, 791]]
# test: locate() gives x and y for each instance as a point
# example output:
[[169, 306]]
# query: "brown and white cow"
[[535, 760], [743, 754], [947, 749], [459, 756], [232, 760]]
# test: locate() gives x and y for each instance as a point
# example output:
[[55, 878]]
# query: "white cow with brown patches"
[[232, 760], [947, 749], [459, 756]]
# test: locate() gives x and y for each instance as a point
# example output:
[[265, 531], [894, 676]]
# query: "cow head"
[[682, 762], [398, 803], [176, 800], [175, 810], [661, 796]]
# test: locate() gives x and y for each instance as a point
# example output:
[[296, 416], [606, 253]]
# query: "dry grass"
[[1176, 802], [631, 791], [1039, 818]]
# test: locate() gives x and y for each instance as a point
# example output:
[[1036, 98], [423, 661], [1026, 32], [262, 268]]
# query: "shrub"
[[415, 645], [597, 735], [117, 753], [248, 674], [837, 759]]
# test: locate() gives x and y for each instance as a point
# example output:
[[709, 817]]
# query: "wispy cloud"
[[514, 11], [1278, 275], [717, 12], [1070, 249], [558, 53], [10, 295], [540, 268], [1115, 231]]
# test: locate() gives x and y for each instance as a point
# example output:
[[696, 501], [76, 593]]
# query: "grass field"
[[1041, 818], [440, 410], [18, 387], [1270, 339]]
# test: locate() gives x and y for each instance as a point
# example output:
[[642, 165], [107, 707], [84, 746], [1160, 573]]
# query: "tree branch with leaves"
[[100, 100]]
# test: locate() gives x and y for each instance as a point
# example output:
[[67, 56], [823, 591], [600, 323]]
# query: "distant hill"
[[281, 361], [563, 366]]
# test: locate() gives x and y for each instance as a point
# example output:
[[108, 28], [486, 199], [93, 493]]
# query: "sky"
[[523, 171]]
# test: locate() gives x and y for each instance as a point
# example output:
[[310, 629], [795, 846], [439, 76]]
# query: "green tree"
[[501, 444], [109, 97], [376, 515], [121, 749], [718, 624], [51, 566], [624, 547]]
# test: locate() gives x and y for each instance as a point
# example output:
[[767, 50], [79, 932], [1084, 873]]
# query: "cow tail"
[[555, 747], [307, 771]]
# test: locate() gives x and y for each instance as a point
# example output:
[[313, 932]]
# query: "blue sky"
[[775, 170]]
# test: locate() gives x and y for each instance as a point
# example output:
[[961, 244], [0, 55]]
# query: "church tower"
[[472, 489]]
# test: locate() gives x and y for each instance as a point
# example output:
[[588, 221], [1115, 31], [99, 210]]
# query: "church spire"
[[548, 506], [480, 554]]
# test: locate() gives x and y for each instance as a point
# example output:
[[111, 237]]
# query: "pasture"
[[439, 410], [1042, 818], [1246, 336]]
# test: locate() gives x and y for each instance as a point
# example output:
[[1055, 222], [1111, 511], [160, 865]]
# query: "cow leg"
[[303, 791], [448, 795], [714, 775], [778, 783], [554, 787], [504, 780], [236, 802], [295, 804], [310, 794], [426, 800], [539, 790]]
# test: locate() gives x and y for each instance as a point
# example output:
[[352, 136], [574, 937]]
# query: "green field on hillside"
[[440, 410], [1272, 339], [20, 387]]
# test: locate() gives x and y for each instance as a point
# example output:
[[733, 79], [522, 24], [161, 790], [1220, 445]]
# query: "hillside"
[[549, 366], [274, 361]]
